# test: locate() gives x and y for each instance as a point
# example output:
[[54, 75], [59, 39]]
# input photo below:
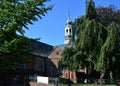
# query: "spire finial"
[[69, 14]]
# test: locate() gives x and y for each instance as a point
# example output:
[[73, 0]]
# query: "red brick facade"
[[70, 74], [55, 57]]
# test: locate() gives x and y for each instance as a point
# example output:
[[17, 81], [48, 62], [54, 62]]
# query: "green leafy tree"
[[96, 46], [107, 15], [109, 51], [90, 9], [66, 60], [92, 38], [14, 15]]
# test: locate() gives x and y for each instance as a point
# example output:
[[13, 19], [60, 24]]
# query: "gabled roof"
[[62, 46], [56, 53], [42, 49]]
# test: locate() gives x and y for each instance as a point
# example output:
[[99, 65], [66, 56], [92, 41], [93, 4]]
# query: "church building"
[[55, 56]]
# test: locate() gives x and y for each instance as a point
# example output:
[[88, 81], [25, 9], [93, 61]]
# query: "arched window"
[[72, 75], [70, 31], [66, 75], [67, 30]]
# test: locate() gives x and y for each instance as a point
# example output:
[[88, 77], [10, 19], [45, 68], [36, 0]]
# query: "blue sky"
[[50, 29]]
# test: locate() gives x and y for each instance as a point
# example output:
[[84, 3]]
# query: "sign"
[[42, 80]]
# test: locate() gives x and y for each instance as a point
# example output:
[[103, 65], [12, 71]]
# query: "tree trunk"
[[101, 79]]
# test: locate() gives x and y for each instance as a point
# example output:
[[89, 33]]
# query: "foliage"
[[109, 50], [66, 60], [14, 52], [90, 42], [14, 15], [96, 46], [107, 15], [90, 10]]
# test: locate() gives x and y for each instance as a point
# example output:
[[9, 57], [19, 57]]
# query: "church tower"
[[68, 30]]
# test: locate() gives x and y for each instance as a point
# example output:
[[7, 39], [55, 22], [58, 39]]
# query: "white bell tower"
[[68, 30]]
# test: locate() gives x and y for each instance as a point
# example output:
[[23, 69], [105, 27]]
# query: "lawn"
[[86, 85], [92, 85]]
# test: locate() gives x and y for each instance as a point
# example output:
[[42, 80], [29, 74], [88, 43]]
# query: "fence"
[[57, 81]]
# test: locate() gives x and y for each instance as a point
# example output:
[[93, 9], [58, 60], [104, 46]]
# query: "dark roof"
[[62, 46], [42, 49]]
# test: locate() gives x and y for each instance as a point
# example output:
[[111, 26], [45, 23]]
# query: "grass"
[[91, 85], [86, 85]]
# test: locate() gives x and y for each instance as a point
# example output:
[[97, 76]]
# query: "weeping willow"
[[95, 47], [99, 46], [109, 50]]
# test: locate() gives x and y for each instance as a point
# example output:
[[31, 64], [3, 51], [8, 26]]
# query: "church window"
[[70, 31], [66, 75], [67, 30], [57, 52], [72, 75]]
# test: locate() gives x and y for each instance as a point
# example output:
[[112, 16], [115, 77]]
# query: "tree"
[[66, 60], [14, 15], [107, 15], [104, 15], [109, 52], [90, 9], [92, 37], [96, 46]]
